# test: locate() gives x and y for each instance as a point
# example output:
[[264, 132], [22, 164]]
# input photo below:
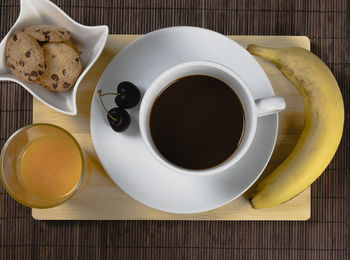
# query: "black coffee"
[[197, 122]]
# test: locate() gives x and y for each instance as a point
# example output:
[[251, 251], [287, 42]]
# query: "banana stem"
[[266, 53]]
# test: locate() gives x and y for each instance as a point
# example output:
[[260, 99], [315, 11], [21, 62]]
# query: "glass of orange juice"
[[42, 165]]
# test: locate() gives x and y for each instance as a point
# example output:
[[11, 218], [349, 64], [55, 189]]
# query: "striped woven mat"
[[324, 236]]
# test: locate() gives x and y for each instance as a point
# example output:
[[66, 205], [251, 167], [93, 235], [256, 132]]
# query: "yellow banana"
[[323, 126]]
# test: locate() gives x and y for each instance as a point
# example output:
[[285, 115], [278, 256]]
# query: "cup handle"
[[269, 105]]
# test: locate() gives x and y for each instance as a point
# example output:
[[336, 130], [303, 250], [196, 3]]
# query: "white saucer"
[[125, 157]]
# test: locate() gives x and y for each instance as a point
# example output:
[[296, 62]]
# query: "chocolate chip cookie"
[[48, 33], [71, 44], [24, 57], [62, 67]]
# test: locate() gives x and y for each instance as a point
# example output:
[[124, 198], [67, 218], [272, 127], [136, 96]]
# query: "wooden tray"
[[102, 199]]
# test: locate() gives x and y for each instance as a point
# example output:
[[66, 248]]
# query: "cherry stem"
[[116, 94], [101, 95]]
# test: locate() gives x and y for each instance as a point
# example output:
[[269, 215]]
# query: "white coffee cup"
[[252, 109]]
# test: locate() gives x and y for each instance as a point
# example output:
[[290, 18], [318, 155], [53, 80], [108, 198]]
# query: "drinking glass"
[[12, 153]]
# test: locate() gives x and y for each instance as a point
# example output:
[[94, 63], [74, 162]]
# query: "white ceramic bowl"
[[89, 39]]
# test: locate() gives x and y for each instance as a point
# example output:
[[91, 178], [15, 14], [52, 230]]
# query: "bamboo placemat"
[[324, 236]]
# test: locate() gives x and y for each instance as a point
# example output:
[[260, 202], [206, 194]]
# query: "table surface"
[[324, 236]]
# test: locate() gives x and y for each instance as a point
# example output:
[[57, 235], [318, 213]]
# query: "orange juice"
[[50, 167]]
